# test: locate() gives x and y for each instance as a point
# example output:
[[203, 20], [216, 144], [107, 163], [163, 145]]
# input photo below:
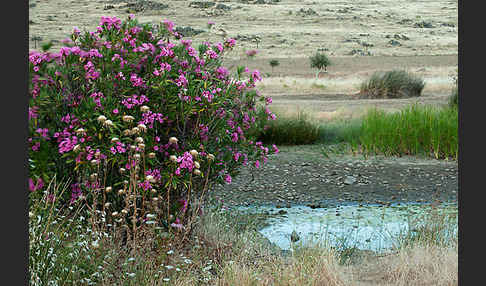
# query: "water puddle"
[[370, 227]]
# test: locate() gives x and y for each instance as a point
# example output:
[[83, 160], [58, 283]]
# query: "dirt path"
[[301, 175]]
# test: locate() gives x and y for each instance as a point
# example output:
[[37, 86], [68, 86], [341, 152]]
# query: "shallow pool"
[[370, 227]]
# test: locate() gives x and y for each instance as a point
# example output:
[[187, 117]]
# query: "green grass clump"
[[291, 130], [415, 130], [392, 84]]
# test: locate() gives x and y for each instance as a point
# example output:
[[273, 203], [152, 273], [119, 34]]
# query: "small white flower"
[[197, 165], [151, 155], [197, 172], [114, 139], [122, 170], [136, 156], [166, 279], [95, 244], [211, 157], [144, 108], [121, 191], [170, 252], [141, 146], [169, 267], [194, 153], [131, 275], [135, 130], [139, 140], [151, 216], [173, 158], [108, 189], [150, 178]]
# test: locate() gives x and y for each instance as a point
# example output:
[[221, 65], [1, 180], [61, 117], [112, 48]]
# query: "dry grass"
[[422, 265]]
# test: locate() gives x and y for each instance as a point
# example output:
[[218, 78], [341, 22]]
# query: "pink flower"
[[275, 149], [227, 179], [39, 185]]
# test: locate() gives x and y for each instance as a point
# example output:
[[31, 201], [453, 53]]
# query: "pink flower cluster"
[[185, 162], [134, 100]]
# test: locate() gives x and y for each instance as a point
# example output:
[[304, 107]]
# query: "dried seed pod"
[[102, 118], [128, 118], [144, 108], [108, 189], [173, 140], [142, 127], [77, 148], [210, 157], [115, 139], [151, 155], [108, 123], [197, 172], [197, 165], [194, 153], [173, 158], [135, 130]]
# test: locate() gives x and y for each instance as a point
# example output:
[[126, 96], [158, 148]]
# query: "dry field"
[[359, 36]]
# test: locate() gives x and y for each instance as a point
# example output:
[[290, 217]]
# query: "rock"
[[423, 24], [394, 43], [223, 7], [187, 31], [294, 236], [201, 4], [401, 37], [308, 12], [349, 180], [145, 5]]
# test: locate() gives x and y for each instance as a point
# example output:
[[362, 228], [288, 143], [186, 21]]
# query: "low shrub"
[[392, 84], [290, 130]]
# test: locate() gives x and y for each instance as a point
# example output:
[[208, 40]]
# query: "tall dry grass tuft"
[[422, 265]]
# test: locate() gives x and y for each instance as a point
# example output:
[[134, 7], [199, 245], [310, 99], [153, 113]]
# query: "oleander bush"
[[139, 120]]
